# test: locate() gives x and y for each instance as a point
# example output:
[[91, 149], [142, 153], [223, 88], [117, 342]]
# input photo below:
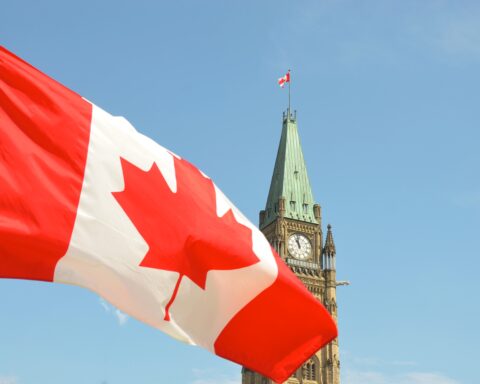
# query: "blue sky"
[[387, 98]]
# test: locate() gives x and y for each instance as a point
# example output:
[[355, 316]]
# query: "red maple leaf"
[[182, 228]]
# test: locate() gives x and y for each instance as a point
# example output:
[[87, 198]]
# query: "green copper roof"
[[290, 179]]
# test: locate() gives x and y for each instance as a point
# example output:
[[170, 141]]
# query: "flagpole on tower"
[[289, 86], [281, 82]]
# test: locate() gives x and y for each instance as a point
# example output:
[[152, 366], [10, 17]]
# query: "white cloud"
[[363, 363], [105, 305], [454, 30], [366, 361], [121, 317], [460, 35], [373, 370], [375, 377], [470, 199], [218, 380], [403, 363], [206, 376], [8, 380]]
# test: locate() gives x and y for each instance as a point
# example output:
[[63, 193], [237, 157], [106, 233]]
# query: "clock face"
[[299, 246]]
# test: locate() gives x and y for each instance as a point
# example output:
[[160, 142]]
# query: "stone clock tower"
[[292, 222]]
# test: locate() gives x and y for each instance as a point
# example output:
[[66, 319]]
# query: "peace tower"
[[292, 223]]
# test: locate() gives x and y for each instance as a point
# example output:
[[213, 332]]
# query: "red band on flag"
[[264, 338], [44, 133]]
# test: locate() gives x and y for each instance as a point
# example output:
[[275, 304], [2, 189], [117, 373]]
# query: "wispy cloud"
[[207, 376], [121, 317], [373, 370], [8, 380], [460, 35], [403, 363], [453, 31], [218, 380], [469, 199], [369, 361], [375, 377]]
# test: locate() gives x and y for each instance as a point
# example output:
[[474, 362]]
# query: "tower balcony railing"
[[292, 116], [303, 264]]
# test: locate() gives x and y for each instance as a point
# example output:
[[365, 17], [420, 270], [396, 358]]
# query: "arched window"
[[310, 370]]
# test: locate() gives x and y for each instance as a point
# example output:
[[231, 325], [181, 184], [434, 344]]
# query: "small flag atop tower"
[[281, 82], [284, 79]]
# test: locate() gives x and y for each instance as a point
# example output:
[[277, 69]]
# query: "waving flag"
[[284, 79], [87, 200]]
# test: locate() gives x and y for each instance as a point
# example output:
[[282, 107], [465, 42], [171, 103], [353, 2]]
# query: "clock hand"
[[298, 242]]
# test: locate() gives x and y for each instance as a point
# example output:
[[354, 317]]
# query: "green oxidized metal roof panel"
[[290, 179]]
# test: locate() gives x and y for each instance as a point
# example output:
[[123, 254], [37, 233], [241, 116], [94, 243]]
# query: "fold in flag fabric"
[[284, 79], [87, 200]]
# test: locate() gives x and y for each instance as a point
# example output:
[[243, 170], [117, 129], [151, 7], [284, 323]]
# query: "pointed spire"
[[329, 248], [290, 187]]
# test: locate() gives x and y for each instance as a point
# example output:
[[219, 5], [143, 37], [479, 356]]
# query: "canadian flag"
[[284, 79], [87, 200]]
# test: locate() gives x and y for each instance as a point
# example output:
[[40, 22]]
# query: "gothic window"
[[305, 208], [292, 205], [309, 371], [276, 207]]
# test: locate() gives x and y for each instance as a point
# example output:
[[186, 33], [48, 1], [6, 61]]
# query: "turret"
[[330, 352], [329, 251]]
